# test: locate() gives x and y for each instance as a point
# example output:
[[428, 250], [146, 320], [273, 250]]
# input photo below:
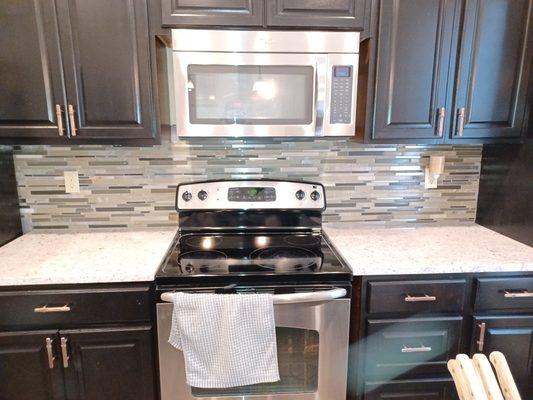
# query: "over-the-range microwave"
[[265, 83]]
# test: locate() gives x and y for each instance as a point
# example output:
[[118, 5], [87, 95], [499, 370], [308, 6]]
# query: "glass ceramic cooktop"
[[250, 254]]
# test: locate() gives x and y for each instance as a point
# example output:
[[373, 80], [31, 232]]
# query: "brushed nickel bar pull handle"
[[50, 352], [460, 121], [421, 349], [59, 117], [441, 121], [72, 120], [46, 309], [64, 352], [481, 338], [517, 295], [414, 299]]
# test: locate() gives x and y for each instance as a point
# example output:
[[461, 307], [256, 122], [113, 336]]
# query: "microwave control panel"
[[341, 94]]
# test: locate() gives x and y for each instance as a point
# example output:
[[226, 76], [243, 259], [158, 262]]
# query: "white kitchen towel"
[[227, 340]]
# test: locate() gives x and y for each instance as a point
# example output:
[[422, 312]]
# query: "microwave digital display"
[[342, 71], [252, 194]]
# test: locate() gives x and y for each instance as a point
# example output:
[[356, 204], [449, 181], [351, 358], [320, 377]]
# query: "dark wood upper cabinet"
[[493, 69], [31, 84], [212, 12], [25, 369], [513, 336], [109, 363], [107, 69], [334, 14], [413, 68]]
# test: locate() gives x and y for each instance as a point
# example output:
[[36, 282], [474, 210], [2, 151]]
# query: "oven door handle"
[[292, 298]]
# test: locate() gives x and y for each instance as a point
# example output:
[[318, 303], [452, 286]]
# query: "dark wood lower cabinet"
[[109, 363], [26, 373], [513, 336], [434, 389]]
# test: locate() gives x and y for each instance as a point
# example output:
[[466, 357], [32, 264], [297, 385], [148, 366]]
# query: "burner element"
[[201, 260], [203, 242], [285, 258], [302, 240]]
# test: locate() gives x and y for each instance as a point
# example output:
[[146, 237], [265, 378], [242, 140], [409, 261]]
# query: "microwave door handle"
[[320, 95], [292, 298]]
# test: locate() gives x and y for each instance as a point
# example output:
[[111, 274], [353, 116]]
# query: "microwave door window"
[[250, 94]]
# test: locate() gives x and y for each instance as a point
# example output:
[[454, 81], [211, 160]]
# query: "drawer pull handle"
[[421, 349], [46, 309], [481, 339], [50, 353], [517, 295], [414, 299], [64, 352], [59, 117]]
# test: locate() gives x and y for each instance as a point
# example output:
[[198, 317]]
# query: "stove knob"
[[300, 194], [202, 195], [187, 196], [315, 195]]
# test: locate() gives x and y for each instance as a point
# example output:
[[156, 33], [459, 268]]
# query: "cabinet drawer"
[[412, 346], [39, 308], [504, 294], [419, 389], [415, 297]]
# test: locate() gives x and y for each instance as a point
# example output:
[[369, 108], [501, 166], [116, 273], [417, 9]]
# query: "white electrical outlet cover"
[[430, 181], [72, 182]]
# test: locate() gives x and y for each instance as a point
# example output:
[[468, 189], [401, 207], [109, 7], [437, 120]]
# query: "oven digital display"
[[252, 194]]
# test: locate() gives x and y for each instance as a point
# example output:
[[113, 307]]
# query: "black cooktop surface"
[[263, 256]]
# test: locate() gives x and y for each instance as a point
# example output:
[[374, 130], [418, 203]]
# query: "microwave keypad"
[[341, 95]]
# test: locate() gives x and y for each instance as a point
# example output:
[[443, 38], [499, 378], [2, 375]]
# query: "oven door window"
[[298, 367], [250, 94]]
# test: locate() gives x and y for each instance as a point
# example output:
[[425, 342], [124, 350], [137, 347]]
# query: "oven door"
[[312, 341], [249, 94]]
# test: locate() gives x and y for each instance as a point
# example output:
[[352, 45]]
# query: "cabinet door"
[[430, 389], [31, 84], [109, 363], [334, 14], [26, 373], [513, 336], [212, 12], [493, 69], [107, 64], [413, 69]]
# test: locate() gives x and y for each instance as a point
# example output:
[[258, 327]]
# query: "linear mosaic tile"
[[134, 187]]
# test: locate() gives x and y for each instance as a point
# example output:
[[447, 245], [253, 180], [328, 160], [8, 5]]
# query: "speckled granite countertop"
[[92, 257], [428, 250]]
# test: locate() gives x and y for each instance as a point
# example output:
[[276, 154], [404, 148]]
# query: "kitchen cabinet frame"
[[358, 378]]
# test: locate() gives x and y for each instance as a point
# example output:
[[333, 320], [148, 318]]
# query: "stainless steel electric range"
[[239, 236]]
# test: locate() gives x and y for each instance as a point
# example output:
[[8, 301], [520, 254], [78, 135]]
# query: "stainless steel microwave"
[[265, 83]]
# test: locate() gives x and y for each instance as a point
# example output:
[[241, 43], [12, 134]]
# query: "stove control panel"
[[248, 195]]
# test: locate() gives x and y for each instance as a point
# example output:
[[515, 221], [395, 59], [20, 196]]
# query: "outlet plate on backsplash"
[[134, 187]]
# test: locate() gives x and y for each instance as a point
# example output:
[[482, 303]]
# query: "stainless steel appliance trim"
[[217, 198], [292, 298], [330, 319], [265, 41]]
